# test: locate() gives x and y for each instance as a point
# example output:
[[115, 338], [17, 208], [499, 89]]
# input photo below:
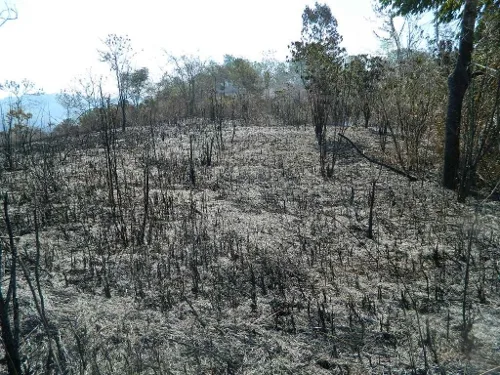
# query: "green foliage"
[[196, 88], [137, 81], [463, 141], [183, 82], [411, 98], [96, 119], [319, 25], [242, 74], [446, 10], [318, 54], [67, 127], [320, 59], [365, 74], [488, 36], [278, 75], [480, 146]]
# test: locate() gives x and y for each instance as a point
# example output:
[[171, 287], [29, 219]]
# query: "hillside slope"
[[243, 260]]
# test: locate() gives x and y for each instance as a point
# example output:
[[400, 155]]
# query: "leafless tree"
[[118, 54], [9, 13]]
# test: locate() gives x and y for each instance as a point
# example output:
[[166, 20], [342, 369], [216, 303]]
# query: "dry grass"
[[263, 267]]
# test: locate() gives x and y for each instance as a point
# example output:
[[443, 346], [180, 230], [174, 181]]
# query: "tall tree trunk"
[[366, 114], [396, 36], [458, 82], [10, 331], [191, 97], [123, 104]]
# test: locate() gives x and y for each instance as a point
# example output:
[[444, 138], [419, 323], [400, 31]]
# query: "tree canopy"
[[445, 10]]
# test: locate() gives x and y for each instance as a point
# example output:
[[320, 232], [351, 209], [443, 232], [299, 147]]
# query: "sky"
[[55, 41]]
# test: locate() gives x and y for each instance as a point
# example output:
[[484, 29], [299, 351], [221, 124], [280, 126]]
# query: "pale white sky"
[[53, 41]]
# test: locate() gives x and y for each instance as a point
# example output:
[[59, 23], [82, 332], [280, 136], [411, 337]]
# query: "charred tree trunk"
[[192, 98], [10, 330], [367, 113], [319, 109], [123, 106], [458, 82]]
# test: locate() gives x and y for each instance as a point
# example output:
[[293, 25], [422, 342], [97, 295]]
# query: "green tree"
[[410, 101], [137, 82], [460, 78], [242, 74], [366, 73], [319, 58], [184, 78], [277, 75]]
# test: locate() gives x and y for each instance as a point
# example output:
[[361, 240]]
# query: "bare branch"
[[374, 161], [7, 14]]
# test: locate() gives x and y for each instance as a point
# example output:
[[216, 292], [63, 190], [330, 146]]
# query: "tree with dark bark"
[[9, 303], [458, 82], [460, 78], [480, 129]]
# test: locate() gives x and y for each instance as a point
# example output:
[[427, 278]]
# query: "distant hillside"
[[45, 108]]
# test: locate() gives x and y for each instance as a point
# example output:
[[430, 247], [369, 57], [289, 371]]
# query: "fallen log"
[[382, 164]]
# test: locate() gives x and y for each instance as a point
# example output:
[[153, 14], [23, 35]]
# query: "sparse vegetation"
[[256, 218]]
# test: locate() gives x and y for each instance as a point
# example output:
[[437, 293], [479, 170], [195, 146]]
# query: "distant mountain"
[[45, 108]]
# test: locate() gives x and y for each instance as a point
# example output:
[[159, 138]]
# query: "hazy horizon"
[[54, 41]]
